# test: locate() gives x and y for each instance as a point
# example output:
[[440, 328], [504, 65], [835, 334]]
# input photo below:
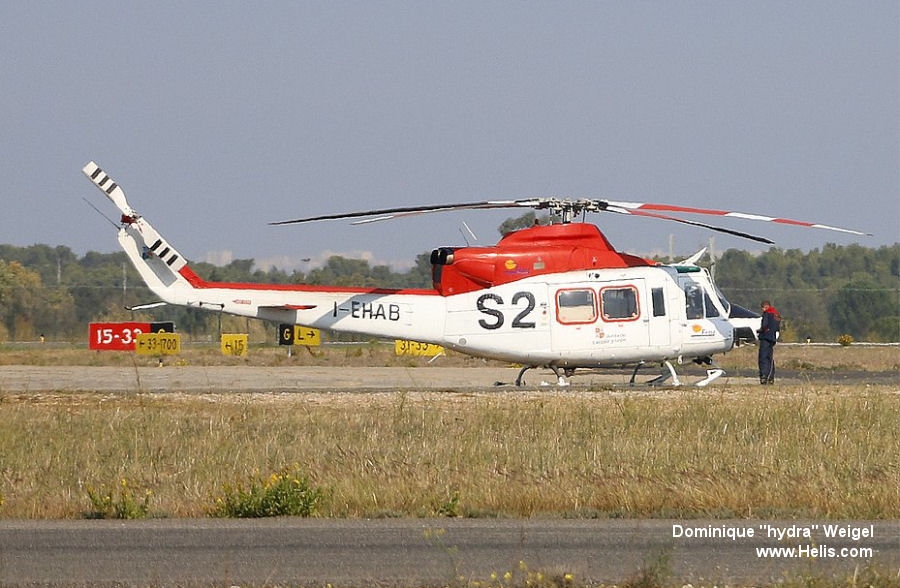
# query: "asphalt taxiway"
[[218, 379], [432, 552]]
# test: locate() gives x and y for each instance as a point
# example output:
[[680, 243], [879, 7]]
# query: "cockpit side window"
[[699, 303], [693, 301]]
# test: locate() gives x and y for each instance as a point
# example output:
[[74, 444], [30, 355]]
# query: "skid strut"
[[522, 373], [560, 378], [713, 373]]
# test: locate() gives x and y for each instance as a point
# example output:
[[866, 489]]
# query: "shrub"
[[285, 493], [118, 501], [845, 340]]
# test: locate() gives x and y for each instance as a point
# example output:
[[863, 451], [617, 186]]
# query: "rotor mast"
[[567, 208]]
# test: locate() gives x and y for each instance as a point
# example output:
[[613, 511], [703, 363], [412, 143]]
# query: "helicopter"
[[555, 296]]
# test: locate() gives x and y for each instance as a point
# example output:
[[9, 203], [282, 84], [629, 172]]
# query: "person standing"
[[768, 335]]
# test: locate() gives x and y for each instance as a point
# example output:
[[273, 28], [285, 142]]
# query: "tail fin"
[[161, 266]]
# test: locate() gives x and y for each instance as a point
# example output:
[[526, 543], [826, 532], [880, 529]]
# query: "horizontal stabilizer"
[[147, 306]]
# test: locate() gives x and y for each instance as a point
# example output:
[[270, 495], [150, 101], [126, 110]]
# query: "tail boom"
[[408, 313]]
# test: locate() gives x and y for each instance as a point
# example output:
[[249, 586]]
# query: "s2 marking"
[[487, 304]]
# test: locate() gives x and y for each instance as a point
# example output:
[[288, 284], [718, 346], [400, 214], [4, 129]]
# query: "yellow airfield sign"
[[402, 347], [157, 344], [307, 336], [235, 344], [299, 335]]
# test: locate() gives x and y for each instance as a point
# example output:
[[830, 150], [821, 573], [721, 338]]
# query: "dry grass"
[[825, 452]]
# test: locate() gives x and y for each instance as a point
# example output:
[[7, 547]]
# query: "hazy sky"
[[217, 118]]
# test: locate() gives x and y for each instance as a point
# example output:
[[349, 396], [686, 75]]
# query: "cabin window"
[[619, 304], [659, 302], [576, 306], [693, 295]]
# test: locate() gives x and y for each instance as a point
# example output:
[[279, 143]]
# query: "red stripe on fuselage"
[[197, 282]]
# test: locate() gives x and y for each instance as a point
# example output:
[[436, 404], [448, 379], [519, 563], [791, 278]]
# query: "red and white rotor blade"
[[621, 210], [650, 207]]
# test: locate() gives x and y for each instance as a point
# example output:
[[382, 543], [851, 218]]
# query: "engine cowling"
[[529, 252]]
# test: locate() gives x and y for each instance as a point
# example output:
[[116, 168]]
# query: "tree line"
[[821, 294], [51, 292]]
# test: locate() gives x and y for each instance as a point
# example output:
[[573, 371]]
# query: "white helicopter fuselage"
[[584, 318]]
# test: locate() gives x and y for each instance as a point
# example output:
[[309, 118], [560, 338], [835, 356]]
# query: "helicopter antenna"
[[469, 231], [97, 210]]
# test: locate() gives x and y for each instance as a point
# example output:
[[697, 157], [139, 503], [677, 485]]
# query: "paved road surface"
[[411, 552], [298, 379], [241, 378]]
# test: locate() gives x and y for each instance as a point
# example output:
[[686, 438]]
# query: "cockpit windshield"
[[722, 300]]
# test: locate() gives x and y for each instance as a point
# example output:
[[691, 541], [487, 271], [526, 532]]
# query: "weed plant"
[[526, 577], [285, 493], [118, 501]]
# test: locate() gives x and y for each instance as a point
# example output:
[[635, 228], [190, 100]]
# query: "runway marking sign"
[[299, 335], [121, 336], [158, 344], [402, 347], [235, 344]]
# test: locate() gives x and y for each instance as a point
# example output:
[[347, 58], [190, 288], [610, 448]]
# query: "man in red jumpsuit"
[[768, 335]]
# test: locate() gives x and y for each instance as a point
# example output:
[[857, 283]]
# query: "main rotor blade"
[[389, 213], [732, 214], [568, 208], [614, 208]]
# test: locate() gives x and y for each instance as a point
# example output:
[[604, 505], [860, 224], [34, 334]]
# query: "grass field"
[[802, 450], [799, 450]]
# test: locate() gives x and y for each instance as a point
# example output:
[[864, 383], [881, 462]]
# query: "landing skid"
[[660, 379], [713, 373]]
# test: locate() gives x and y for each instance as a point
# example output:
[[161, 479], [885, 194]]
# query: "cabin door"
[[601, 320]]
